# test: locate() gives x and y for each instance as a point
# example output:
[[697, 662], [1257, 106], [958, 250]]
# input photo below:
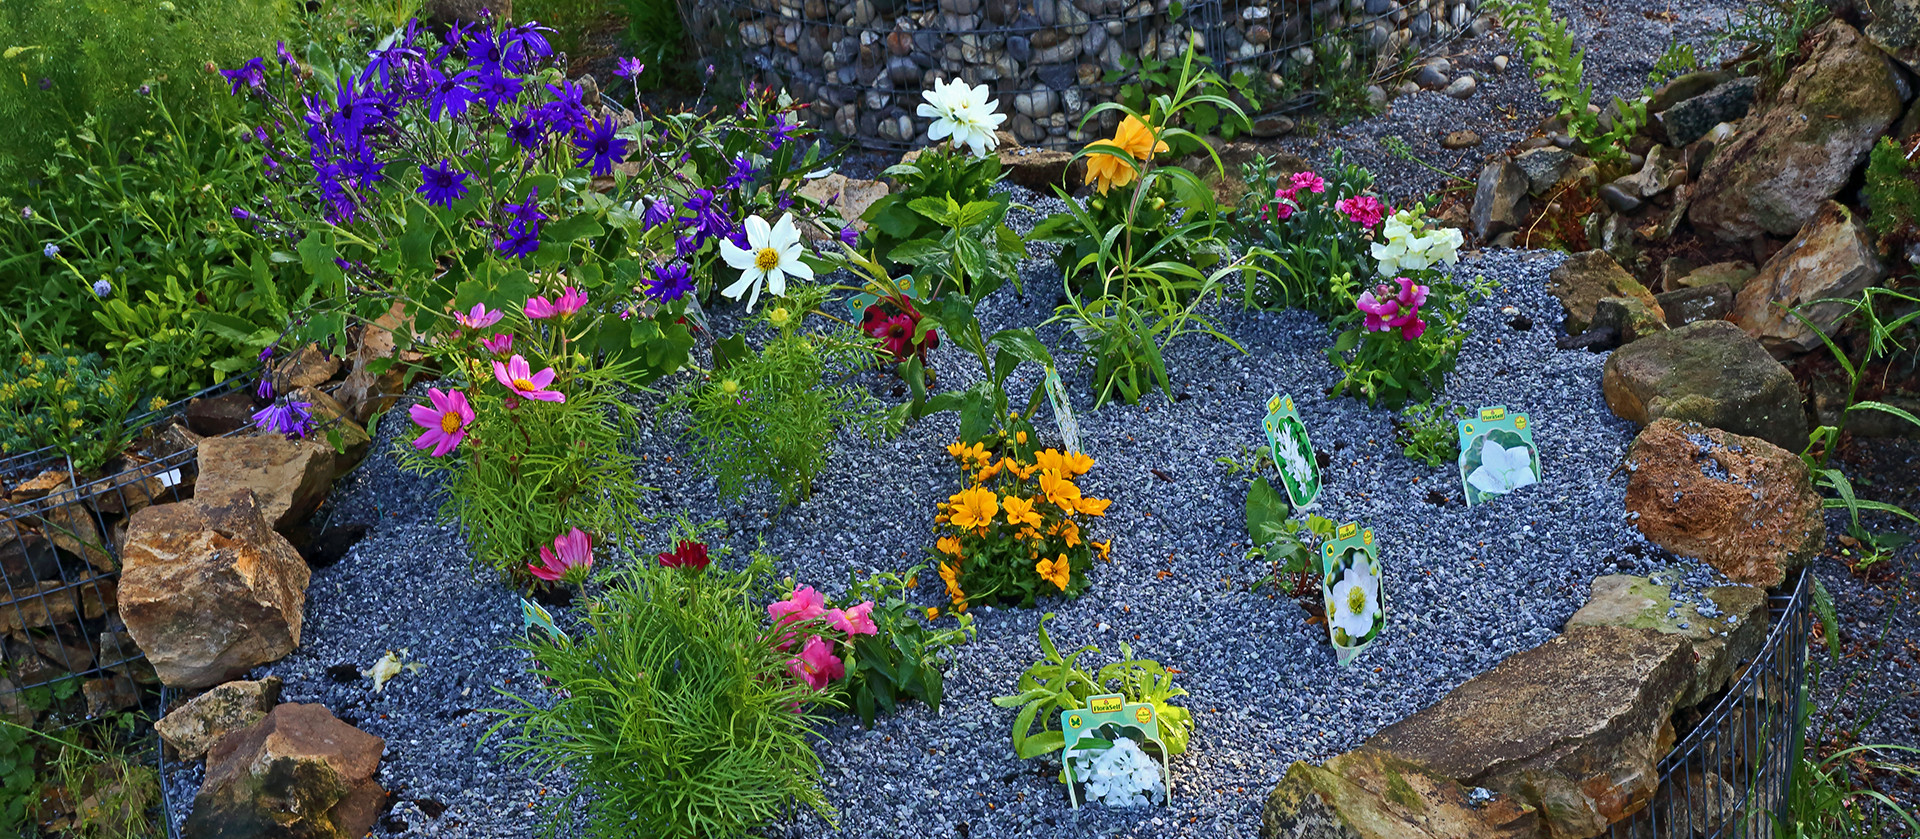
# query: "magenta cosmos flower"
[[857, 620], [1363, 210], [500, 344], [1386, 310], [687, 554], [525, 383], [445, 421], [479, 317], [572, 554], [570, 300], [817, 665]]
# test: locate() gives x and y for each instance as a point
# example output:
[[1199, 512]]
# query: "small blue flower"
[[289, 417], [743, 172], [51, 250], [599, 147], [628, 68], [251, 74], [669, 282], [102, 289], [240, 214]]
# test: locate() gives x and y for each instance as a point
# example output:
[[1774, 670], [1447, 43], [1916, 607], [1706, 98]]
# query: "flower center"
[[449, 422], [1356, 600], [767, 259], [523, 384]]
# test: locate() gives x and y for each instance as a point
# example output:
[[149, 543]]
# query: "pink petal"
[[425, 417]]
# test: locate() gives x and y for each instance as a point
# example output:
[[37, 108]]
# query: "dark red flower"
[[686, 555], [896, 331]]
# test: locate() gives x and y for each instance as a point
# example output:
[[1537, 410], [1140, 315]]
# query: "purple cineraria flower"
[[265, 354], [251, 74], [523, 46], [523, 230], [780, 133], [241, 214], [849, 235], [628, 68], [686, 246], [286, 57], [669, 282], [567, 112], [599, 147], [290, 417], [743, 172], [497, 88], [658, 213], [525, 133], [450, 95], [265, 390], [442, 184], [709, 219]]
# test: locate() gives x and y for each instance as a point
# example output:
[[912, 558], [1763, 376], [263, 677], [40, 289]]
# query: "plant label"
[[1292, 451], [1497, 454], [532, 615], [1107, 718], [1062, 410], [1350, 585]]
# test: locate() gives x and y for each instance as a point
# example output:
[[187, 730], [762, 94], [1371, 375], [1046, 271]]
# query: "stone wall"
[[861, 64]]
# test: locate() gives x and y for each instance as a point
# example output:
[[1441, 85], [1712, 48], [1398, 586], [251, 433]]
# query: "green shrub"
[[71, 402]]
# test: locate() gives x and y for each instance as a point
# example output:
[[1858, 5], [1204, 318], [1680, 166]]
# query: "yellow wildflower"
[[1068, 529], [966, 454], [949, 545], [1078, 463], [1022, 471], [1105, 549], [1020, 511], [1028, 533], [987, 472], [1052, 460], [974, 507], [1110, 170], [1020, 437], [933, 612], [1060, 491], [1055, 571], [1094, 506]]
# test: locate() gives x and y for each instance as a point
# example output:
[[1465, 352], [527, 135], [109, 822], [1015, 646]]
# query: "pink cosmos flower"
[[804, 604], [1310, 182], [521, 379], [571, 550], [500, 344], [570, 300], [817, 665], [479, 317], [687, 554], [1387, 310], [445, 423], [1363, 210], [855, 621]]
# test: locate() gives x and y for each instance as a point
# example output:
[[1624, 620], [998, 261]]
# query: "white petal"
[[790, 262], [776, 282], [751, 276], [735, 256], [757, 232], [927, 109], [785, 235]]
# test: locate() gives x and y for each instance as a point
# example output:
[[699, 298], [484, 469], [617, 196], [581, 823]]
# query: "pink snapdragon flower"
[[479, 317], [1363, 210], [1310, 182], [572, 555], [802, 605], [570, 300], [1387, 310], [445, 422], [816, 664], [500, 344], [525, 383], [857, 620]]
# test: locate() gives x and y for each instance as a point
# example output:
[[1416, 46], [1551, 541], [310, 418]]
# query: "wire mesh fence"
[[860, 65]]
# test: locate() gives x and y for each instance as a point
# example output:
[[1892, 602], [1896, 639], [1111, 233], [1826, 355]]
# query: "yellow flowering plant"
[[1019, 530]]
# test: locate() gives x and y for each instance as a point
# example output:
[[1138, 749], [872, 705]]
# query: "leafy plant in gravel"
[[1428, 434], [675, 707], [944, 217], [1892, 192], [1316, 227], [1387, 353], [72, 402], [1058, 683], [1560, 69], [85, 782], [765, 417], [1287, 543], [901, 658], [1011, 535]]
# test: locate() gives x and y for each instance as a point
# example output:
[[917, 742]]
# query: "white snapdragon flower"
[[772, 253], [1406, 244], [963, 113]]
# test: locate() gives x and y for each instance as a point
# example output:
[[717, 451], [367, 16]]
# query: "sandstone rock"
[[1574, 727], [849, 197], [70, 525], [1724, 632], [364, 392], [1368, 794], [210, 590], [1710, 373], [298, 773], [195, 727], [223, 414], [1583, 279], [1462, 139], [53, 602], [1500, 201], [1832, 258], [307, 367], [1629, 317], [1734, 274], [109, 693], [1711, 301], [39, 486], [1041, 170], [1804, 146], [28, 558], [333, 424], [289, 478], [1741, 504], [1690, 120]]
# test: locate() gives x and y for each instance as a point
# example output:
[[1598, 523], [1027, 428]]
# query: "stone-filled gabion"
[[862, 64]]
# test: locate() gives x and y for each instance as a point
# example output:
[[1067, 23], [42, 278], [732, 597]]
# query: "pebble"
[[1461, 139], [1462, 87]]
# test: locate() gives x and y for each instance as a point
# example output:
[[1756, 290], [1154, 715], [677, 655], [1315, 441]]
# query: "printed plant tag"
[[1351, 586], [1292, 451], [1497, 454], [532, 615], [1062, 410], [1098, 727]]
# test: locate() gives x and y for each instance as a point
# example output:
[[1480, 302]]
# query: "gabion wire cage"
[[860, 65], [1730, 776]]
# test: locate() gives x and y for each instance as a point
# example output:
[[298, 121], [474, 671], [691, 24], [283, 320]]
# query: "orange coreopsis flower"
[[952, 578], [976, 507], [1068, 530], [1055, 571], [1020, 511], [949, 545], [1105, 549], [968, 454], [1094, 506], [1078, 463], [1137, 137], [1107, 170], [1060, 491], [1052, 460], [987, 472]]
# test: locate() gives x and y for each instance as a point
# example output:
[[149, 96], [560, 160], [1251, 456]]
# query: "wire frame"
[[861, 65], [1731, 776]]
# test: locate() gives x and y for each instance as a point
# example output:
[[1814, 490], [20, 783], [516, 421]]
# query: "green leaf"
[[1267, 512]]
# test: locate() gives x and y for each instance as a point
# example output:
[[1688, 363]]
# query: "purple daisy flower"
[[251, 74], [442, 184], [743, 172], [628, 68], [669, 282], [599, 147], [450, 95], [290, 417]]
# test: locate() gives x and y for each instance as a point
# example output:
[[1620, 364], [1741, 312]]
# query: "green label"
[[1292, 451], [532, 615], [1497, 454], [1351, 586], [1106, 718]]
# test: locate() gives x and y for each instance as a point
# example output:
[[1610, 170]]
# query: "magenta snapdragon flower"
[[803, 604], [525, 383], [572, 554], [445, 421], [570, 300], [1387, 310], [857, 620], [817, 665]]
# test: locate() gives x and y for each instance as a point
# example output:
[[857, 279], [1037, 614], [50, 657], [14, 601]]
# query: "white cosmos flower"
[[1502, 470], [771, 254], [1355, 603], [962, 113]]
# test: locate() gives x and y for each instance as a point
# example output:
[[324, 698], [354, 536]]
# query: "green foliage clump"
[[1058, 683], [1893, 191], [1316, 251], [74, 403], [1428, 434], [945, 217], [1770, 31], [64, 60], [83, 782], [901, 660], [1561, 72], [674, 709], [766, 417]]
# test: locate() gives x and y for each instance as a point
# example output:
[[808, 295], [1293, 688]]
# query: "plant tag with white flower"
[[1292, 451], [1350, 585], [1113, 748], [1062, 410], [1497, 454]]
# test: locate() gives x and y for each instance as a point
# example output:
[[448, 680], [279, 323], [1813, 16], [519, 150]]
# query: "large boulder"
[[298, 773], [195, 727], [289, 478], [1585, 279], [1804, 146], [1896, 29], [1630, 318], [1708, 301], [1740, 504], [1831, 259], [1726, 625], [210, 589], [1368, 794], [1711, 373], [848, 197], [1574, 728], [333, 423]]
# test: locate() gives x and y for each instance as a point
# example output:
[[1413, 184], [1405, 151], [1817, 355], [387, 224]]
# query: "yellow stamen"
[[449, 422], [767, 259]]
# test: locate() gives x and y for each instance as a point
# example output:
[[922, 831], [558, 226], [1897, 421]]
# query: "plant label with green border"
[[1095, 727], [1497, 454], [859, 302], [1062, 410], [1292, 451], [532, 616], [1350, 585]]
